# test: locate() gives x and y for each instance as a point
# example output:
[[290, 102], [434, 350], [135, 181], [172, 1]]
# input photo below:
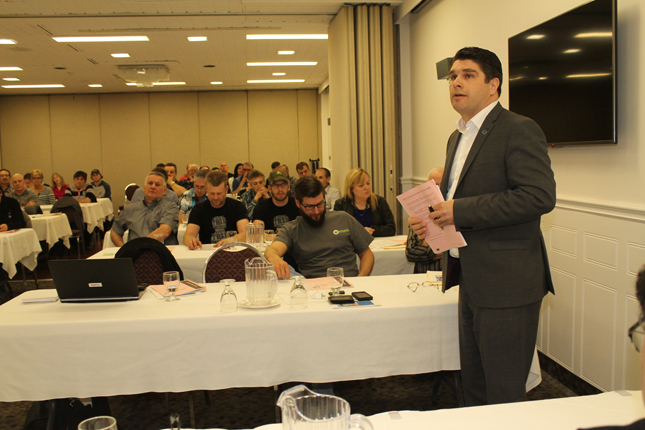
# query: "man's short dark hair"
[[200, 175], [27, 176], [485, 59], [254, 174], [301, 165], [171, 165], [327, 172], [275, 164], [158, 172], [6, 170], [162, 165], [162, 171], [308, 186], [217, 178], [80, 174]]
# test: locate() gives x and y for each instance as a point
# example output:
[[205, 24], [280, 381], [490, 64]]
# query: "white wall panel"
[[563, 240], [601, 250], [635, 257]]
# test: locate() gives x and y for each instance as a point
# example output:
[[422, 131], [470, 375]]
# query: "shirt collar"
[[475, 121]]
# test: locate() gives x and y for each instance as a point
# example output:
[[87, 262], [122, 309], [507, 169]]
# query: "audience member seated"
[[58, 185], [417, 250], [152, 217], [5, 182], [168, 194], [205, 167], [280, 208], [212, 219], [303, 169], [195, 195], [190, 173], [275, 165], [370, 210], [239, 171], [223, 167], [319, 240], [331, 194], [241, 183], [27, 180], [171, 171], [20, 192], [99, 186], [81, 191], [257, 193], [11, 217], [292, 181], [44, 194]]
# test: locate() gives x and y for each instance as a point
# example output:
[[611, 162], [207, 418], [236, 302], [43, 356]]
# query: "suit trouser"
[[496, 350]]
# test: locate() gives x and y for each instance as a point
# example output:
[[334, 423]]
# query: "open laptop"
[[97, 280]]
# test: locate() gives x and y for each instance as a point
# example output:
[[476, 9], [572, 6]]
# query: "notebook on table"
[[97, 280]]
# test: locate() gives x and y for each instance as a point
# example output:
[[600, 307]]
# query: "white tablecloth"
[[107, 241], [51, 228], [55, 350], [18, 246], [93, 213], [390, 261], [108, 207]]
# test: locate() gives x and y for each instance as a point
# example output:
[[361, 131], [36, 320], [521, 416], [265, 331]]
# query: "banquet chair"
[[129, 192], [33, 210], [150, 258], [72, 209], [225, 263]]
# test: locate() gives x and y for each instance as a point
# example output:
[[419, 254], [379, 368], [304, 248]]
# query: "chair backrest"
[[33, 210], [70, 212], [227, 262], [155, 259], [129, 191]]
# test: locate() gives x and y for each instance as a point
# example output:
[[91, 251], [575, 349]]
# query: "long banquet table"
[[18, 246], [56, 350], [51, 228]]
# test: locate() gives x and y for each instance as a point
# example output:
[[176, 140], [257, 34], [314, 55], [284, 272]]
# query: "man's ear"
[[297, 203], [494, 85]]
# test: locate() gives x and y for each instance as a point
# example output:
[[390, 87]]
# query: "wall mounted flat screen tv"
[[562, 74]]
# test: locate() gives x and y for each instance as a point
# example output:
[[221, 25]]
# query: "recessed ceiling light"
[[10, 69], [216, 83], [10, 79], [197, 38], [286, 52], [571, 51], [95, 85], [133, 84], [543, 78], [595, 34], [589, 75], [285, 36], [102, 39], [278, 74], [35, 86], [124, 55], [535, 36], [7, 42], [274, 81], [278, 63]]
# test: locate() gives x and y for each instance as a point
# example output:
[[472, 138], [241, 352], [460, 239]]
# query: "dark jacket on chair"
[[384, 224], [65, 202], [136, 247]]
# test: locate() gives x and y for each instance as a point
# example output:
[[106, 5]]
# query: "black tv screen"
[[562, 74]]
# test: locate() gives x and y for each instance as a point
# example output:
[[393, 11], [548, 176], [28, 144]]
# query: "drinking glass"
[[98, 423], [230, 236], [335, 278], [269, 236], [228, 300], [184, 220], [171, 282]]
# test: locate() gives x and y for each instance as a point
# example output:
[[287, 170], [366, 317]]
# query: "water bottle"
[[298, 293]]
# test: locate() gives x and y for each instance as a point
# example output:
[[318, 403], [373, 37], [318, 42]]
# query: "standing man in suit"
[[497, 184]]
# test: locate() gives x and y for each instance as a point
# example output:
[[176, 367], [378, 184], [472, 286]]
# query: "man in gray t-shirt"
[[319, 240]]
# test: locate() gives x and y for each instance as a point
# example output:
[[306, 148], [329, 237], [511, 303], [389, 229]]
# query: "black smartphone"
[[361, 295], [341, 300]]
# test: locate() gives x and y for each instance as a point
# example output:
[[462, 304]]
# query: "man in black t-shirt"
[[280, 208], [210, 220]]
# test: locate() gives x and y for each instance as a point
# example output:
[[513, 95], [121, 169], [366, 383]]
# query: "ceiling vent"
[[144, 75]]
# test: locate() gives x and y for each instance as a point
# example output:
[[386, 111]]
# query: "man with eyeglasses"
[[5, 182], [257, 193], [319, 240], [195, 195]]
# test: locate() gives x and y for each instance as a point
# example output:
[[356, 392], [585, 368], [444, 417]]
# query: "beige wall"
[[124, 135]]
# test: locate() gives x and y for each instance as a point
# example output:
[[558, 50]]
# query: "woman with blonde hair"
[[58, 185], [370, 210], [44, 193]]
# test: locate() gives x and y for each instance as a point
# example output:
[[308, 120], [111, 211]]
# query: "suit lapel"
[[453, 142], [482, 135]]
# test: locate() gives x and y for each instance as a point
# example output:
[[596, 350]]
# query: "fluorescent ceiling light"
[[286, 63], [10, 79], [35, 86], [543, 78], [274, 81], [10, 69], [102, 39], [284, 36], [589, 75], [133, 84], [595, 34], [7, 42], [216, 83], [279, 74], [124, 55], [286, 52], [197, 38], [516, 78], [535, 36], [571, 51], [95, 85]]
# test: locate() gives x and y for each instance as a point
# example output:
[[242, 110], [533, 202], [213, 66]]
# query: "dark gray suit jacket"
[[505, 186]]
